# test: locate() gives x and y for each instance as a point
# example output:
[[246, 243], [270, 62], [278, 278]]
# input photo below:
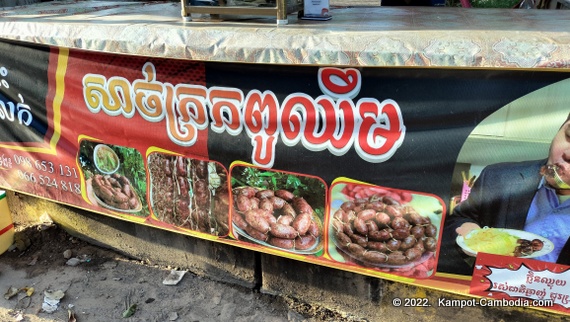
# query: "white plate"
[[521, 234], [426, 205]]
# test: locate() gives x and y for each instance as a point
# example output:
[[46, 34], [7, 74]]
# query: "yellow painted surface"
[[7, 237]]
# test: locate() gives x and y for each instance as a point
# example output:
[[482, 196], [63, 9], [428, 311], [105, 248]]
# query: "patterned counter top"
[[356, 36]]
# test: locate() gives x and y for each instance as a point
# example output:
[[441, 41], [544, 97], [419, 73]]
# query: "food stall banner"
[[385, 172]]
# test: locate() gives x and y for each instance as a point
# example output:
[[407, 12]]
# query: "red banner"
[[409, 175]]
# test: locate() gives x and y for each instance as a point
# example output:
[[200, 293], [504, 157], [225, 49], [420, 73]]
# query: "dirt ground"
[[100, 285]]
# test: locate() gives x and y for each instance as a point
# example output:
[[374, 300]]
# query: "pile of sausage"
[[527, 247], [379, 231], [115, 190], [276, 217], [182, 196]]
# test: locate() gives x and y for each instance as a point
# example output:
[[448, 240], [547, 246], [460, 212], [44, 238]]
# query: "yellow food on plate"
[[492, 241]]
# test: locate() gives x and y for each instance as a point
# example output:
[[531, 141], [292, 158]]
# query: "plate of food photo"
[[506, 242], [277, 219]]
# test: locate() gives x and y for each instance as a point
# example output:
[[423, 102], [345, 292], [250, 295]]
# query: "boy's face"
[[559, 154]]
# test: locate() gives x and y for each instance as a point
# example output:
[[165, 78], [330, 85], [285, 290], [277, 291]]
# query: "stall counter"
[[356, 36]]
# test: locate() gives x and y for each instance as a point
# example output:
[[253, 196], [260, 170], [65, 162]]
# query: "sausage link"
[[378, 246], [302, 222], [356, 250], [288, 210], [314, 229], [277, 202], [282, 242], [246, 191], [360, 226], [343, 238], [256, 233], [283, 231], [375, 257], [302, 206], [284, 194], [265, 194], [366, 214], [266, 204], [120, 197], [396, 258], [285, 219], [256, 219], [243, 203], [238, 220], [412, 254], [305, 242]]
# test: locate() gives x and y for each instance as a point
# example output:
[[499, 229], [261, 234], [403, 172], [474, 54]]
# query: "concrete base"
[[361, 298], [216, 261], [353, 295]]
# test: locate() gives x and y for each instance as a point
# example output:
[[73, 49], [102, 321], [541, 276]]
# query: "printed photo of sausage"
[[393, 231], [189, 193], [277, 209], [115, 191], [115, 177]]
